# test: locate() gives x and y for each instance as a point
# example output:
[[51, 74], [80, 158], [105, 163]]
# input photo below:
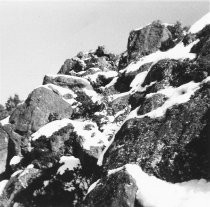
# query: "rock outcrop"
[[115, 130], [36, 110]]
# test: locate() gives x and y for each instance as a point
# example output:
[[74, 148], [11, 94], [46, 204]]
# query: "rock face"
[[173, 148], [68, 81], [3, 149], [36, 110], [114, 130], [118, 189], [148, 40]]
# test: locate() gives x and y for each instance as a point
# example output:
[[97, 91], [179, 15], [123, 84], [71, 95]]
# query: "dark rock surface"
[[148, 40], [68, 81], [3, 149], [173, 148], [35, 111], [108, 124], [118, 189]]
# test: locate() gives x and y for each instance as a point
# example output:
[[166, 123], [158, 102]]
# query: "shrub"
[[12, 103]]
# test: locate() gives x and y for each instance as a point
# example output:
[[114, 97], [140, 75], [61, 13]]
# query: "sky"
[[37, 37]]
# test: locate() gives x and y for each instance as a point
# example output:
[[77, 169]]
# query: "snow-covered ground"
[[5, 121], [48, 129], [69, 163], [15, 160], [153, 192], [88, 130], [200, 24], [106, 74], [178, 52], [175, 96], [2, 185]]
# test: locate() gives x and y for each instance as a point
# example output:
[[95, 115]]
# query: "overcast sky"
[[37, 37]]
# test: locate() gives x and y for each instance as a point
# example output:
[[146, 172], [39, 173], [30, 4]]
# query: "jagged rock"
[[148, 39], [174, 73], [151, 103], [68, 81], [74, 64], [166, 133], [173, 148], [118, 189], [35, 111], [16, 185], [14, 146], [3, 149], [83, 62], [124, 79]]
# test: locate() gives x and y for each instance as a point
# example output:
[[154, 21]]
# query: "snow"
[[138, 80], [5, 121], [61, 90], [175, 96], [91, 136], [153, 192], [92, 94], [110, 130], [115, 170], [16, 173], [200, 24], [46, 183], [178, 52], [30, 166], [15, 160], [111, 83], [73, 79], [69, 162], [93, 186], [48, 129], [2, 185], [106, 74]]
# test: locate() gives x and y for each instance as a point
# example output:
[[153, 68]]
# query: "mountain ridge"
[[106, 126]]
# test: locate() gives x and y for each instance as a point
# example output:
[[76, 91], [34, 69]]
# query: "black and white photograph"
[[105, 103]]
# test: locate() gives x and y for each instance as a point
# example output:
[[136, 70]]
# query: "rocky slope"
[[116, 130]]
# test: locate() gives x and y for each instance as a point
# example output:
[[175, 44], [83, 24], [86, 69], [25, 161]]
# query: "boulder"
[[148, 40], [151, 103], [174, 148], [73, 64], [17, 185], [68, 81], [3, 149], [36, 110], [118, 189]]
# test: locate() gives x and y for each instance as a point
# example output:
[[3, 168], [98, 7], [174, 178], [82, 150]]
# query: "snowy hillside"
[[112, 130]]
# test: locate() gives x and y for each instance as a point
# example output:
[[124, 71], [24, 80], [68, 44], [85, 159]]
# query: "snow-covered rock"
[[200, 24]]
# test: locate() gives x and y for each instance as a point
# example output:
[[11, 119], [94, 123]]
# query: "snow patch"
[[110, 130], [138, 80], [61, 90], [73, 78], [2, 186], [93, 186], [153, 192], [178, 52], [16, 173], [105, 74], [175, 96], [48, 129], [91, 136], [15, 160], [200, 24], [69, 163], [5, 121]]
